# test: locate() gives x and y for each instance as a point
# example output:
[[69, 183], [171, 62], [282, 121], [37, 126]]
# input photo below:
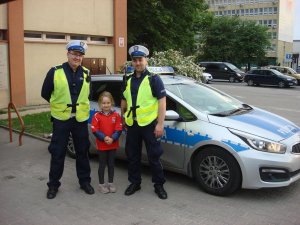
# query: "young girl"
[[107, 127]]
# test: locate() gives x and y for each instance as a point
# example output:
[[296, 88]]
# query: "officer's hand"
[[159, 130]]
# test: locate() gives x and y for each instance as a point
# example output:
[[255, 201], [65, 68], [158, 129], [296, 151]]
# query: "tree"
[[164, 24], [232, 39], [252, 43]]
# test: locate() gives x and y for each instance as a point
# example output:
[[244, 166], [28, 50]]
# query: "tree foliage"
[[232, 39], [164, 24]]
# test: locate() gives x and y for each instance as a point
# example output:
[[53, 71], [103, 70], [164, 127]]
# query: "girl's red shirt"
[[107, 124]]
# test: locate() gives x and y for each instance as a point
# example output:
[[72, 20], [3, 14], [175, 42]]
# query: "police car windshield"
[[204, 99]]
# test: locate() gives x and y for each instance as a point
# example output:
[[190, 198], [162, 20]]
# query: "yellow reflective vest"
[[60, 101], [146, 105]]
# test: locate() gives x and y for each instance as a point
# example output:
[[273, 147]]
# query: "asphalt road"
[[282, 101]]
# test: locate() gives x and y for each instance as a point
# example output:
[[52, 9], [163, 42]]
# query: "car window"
[[212, 66], [203, 98], [276, 68], [180, 109], [291, 71], [114, 87], [268, 73], [231, 66], [263, 72]]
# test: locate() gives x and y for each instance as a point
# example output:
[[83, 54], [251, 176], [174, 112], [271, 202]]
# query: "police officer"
[[143, 108], [67, 88]]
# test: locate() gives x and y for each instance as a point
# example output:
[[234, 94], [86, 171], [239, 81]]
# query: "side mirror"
[[172, 115]]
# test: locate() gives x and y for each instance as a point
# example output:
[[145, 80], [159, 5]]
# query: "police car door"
[[173, 141]]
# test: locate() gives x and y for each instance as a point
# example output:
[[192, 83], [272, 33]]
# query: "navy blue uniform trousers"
[[58, 149], [134, 142]]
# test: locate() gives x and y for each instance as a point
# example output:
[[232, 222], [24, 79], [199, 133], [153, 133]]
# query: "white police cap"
[[77, 45], [138, 51]]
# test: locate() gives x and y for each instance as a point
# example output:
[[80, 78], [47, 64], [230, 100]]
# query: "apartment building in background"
[[277, 15], [33, 36]]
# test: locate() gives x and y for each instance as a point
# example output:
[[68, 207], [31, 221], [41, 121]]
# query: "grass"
[[37, 124], [2, 111]]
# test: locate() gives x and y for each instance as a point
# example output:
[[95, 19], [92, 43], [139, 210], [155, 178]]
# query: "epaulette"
[[127, 77], [58, 67], [86, 70]]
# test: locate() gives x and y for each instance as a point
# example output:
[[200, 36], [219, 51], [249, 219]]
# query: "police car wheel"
[[70, 148], [216, 171]]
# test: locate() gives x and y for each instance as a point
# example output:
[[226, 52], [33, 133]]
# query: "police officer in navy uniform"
[[143, 108], [67, 88]]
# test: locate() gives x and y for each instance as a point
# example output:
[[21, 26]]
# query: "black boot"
[[160, 191], [51, 193], [132, 188]]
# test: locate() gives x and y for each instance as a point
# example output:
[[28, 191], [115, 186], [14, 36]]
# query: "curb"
[[27, 134]]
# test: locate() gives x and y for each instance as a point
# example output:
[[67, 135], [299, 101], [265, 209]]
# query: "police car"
[[223, 143]]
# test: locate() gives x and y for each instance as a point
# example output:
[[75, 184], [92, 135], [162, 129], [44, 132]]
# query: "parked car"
[[287, 71], [223, 71], [269, 77], [207, 77], [221, 142]]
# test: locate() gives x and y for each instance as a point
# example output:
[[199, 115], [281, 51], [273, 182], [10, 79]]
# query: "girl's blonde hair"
[[108, 95]]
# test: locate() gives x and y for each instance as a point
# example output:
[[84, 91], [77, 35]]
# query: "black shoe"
[[51, 193], [132, 188], [160, 191], [87, 188]]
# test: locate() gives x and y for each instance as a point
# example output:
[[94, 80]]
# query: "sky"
[[297, 20]]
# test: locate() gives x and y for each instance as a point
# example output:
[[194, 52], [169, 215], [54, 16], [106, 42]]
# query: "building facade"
[[277, 15], [296, 54], [33, 35]]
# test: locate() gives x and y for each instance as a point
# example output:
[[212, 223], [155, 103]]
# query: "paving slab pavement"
[[24, 173]]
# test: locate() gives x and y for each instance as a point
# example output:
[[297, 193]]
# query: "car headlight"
[[238, 74], [259, 143]]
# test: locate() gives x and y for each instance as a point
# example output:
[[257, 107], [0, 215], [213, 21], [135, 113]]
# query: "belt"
[[131, 109]]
